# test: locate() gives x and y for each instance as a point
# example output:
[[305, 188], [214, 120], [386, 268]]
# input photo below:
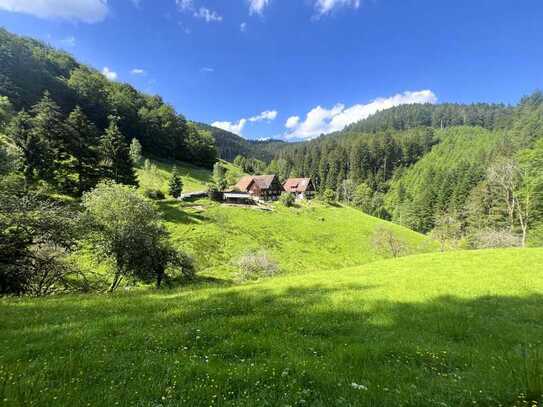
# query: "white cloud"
[[257, 6], [327, 6], [138, 72], [184, 5], [112, 76], [208, 15], [320, 120], [266, 115], [69, 42], [243, 27], [203, 13], [292, 122], [88, 11], [207, 69], [237, 127]]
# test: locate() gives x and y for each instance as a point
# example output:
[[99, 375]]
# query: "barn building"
[[258, 187], [302, 188]]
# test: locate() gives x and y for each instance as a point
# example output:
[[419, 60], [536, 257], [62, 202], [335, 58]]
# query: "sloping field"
[[306, 238], [454, 329]]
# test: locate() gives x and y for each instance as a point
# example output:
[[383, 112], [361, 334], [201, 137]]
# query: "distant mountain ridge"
[[230, 145]]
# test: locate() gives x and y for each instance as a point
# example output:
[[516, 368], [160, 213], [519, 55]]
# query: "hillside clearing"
[[194, 178], [453, 329], [310, 237]]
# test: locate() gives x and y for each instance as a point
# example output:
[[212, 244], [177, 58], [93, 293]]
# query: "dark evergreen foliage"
[[29, 69], [115, 154]]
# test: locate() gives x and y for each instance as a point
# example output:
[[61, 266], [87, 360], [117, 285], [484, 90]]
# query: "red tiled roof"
[[296, 184]]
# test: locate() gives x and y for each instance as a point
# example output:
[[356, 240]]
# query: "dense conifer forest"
[[475, 168]]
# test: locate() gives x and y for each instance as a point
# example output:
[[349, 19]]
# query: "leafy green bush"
[[155, 194], [126, 228], [329, 196], [254, 265], [287, 199]]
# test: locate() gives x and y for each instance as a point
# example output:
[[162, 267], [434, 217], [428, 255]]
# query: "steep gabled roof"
[[297, 184], [262, 182], [244, 183]]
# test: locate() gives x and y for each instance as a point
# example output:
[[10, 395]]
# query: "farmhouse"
[[302, 188], [258, 187]]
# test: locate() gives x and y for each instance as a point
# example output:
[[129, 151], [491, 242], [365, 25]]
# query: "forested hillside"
[[472, 169], [32, 73], [230, 145], [403, 117]]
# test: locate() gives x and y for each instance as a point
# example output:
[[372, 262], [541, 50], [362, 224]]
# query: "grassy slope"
[[302, 239], [194, 178], [429, 330]]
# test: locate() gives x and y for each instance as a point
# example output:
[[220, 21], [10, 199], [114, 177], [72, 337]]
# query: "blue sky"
[[296, 68]]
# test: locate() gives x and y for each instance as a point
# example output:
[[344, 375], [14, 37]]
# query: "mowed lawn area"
[[453, 329]]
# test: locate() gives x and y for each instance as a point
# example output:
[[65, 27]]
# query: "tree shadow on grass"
[[250, 344], [173, 212]]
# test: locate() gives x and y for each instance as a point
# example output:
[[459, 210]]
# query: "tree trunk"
[[116, 281]]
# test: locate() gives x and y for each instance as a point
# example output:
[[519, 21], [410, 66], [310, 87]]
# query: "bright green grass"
[[194, 178], [454, 329], [307, 238]]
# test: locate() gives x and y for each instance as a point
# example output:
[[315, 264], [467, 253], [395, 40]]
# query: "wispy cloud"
[[267, 115], [207, 69], [88, 11], [323, 7], [243, 27], [208, 15], [237, 127], [203, 13], [138, 72], [108, 73], [320, 120], [257, 6], [184, 5]]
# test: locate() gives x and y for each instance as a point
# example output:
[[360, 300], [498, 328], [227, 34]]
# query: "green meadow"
[[309, 237], [194, 178], [452, 329]]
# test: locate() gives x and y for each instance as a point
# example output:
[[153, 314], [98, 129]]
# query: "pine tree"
[[33, 150], [82, 141], [175, 184], [116, 161], [48, 123]]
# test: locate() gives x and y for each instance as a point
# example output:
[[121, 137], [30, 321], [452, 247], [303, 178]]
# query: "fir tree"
[[34, 151], [175, 184], [48, 124], [82, 141], [116, 161]]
